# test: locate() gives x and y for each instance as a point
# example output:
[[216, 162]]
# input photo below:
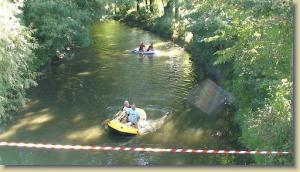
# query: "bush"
[[60, 25], [16, 59], [253, 40]]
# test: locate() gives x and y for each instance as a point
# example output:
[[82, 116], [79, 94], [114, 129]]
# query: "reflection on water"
[[73, 100], [87, 135]]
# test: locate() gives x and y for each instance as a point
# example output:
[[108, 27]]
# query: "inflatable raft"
[[117, 126], [136, 51]]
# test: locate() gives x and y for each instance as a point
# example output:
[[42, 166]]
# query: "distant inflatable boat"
[[136, 51]]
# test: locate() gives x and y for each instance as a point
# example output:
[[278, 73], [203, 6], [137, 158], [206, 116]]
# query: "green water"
[[75, 97]]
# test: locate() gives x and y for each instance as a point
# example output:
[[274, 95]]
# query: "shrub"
[[16, 59]]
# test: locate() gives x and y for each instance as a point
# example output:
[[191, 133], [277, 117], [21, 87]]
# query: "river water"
[[75, 97]]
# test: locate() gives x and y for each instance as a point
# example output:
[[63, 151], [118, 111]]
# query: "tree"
[[176, 4], [151, 5], [16, 59], [67, 25], [138, 5], [168, 9]]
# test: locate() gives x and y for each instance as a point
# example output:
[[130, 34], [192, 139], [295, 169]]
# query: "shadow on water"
[[73, 100]]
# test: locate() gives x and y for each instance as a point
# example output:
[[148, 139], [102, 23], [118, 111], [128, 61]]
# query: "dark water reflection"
[[70, 103]]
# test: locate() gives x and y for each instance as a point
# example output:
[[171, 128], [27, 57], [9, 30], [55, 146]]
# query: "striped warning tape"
[[107, 148]]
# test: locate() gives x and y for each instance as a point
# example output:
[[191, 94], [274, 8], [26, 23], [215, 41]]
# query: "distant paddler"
[[150, 48], [142, 46]]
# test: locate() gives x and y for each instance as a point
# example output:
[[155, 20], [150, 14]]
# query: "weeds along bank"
[[248, 45], [34, 33]]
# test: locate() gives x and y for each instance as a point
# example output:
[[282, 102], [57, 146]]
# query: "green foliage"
[[255, 40], [60, 25], [146, 20], [124, 5], [16, 59], [163, 26]]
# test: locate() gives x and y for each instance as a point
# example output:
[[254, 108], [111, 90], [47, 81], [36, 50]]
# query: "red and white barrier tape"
[[100, 148]]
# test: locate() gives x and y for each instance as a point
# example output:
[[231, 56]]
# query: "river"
[[75, 97]]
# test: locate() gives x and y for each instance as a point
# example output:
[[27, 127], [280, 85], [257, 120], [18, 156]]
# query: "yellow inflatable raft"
[[118, 126]]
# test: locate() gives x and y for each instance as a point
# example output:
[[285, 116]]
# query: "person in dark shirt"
[[142, 46], [150, 48]]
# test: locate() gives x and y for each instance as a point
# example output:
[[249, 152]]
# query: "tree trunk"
[[138, 5], [176, 9], [162, 1], [151, 5], [168, 9]]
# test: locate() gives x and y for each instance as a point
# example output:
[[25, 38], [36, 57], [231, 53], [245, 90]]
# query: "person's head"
[[142, 43], [126, 103], [151, 43], [133, 106]]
